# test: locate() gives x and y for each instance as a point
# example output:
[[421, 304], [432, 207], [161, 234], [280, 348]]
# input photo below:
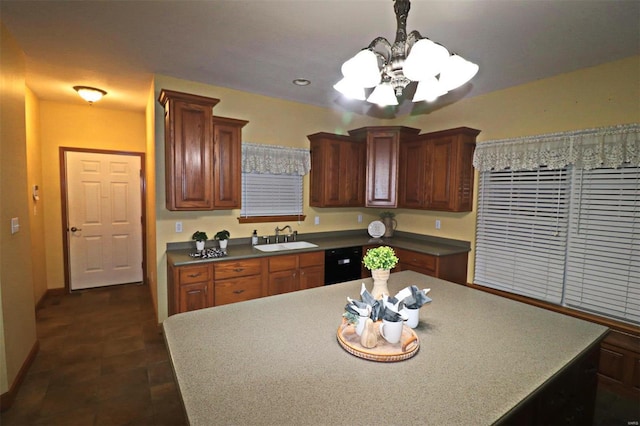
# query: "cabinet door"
[[311, 277], [412, 184], [382, 169], [227, 137], [283, 281], [311, 270], [195, 296], [333, 171], [189, 157], [441, 169], [352, 174]]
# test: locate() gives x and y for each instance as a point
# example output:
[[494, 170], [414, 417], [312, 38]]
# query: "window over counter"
[[568, 234], [272, 183]]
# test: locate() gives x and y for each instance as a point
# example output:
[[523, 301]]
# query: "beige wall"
[[271, 121], [36, 208], [592, 97], [17, 319], [78, 126], [151, 278]]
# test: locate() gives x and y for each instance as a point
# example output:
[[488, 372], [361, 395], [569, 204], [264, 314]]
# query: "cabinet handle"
[[239, 269], [238, 291], [195, 275]]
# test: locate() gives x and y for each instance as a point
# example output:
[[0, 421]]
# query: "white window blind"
[[603, 262], [521, 232], [271, 195], [569, 236]]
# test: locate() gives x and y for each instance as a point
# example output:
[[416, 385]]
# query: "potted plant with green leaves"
[[200, 238], [380, 261], [390, 223], [222, 237]]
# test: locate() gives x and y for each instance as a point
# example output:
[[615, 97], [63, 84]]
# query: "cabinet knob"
[[239, 269], [238, 291], [195, 275]]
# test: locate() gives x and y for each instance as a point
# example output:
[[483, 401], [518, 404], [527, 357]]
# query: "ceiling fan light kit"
[[389, 68]]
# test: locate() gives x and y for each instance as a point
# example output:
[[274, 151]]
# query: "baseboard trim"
[[7, 398]]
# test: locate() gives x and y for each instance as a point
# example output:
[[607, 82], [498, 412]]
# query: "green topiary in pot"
[[199, 236], [382, 257]]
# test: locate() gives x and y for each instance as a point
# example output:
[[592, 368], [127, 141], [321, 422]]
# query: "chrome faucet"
[[282, 229]]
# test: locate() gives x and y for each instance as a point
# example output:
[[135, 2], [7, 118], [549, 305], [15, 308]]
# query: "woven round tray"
[[383, 351]]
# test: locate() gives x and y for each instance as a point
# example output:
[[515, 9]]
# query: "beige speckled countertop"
[[422, 244], [276, 360]]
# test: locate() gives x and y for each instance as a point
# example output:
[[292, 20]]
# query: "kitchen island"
[[482, 359]]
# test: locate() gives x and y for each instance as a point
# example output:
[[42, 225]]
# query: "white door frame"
[[65, 213]]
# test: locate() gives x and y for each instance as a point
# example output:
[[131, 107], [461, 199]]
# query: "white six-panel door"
[[104, 219]]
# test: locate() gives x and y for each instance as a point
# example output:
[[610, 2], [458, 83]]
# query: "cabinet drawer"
[[194, 274], [238, 289], [283, 263], [420, 260], [239, 268], [312, 259]]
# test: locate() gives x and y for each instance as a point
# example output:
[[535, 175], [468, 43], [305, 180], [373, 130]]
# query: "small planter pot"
[[223, 244], [200, 245]]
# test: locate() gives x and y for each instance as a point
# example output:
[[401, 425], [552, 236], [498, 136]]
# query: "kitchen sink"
[[293, 245]]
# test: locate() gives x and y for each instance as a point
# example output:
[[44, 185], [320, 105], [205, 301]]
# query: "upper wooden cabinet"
[[450, 169], [383, 148], [202, 154], [438, 171], [337, 171]]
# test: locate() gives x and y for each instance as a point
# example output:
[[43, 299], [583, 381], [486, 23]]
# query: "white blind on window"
[[603, 263], [271, 195], [521, 232]]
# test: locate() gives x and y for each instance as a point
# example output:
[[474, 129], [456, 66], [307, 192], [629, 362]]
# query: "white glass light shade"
[[425, 60], [429, 90], [89, 94], [350, 89], [363, 67], [456, 72], [383, 95]]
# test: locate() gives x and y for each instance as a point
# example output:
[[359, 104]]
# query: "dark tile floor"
[[102, 361]]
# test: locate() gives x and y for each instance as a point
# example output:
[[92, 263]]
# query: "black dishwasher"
[[342, 264]]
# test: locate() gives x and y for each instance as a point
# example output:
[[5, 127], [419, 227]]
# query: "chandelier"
[[391, 67]]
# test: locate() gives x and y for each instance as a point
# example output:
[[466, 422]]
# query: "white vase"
[[200, 245], [380, 278], [223, 244]]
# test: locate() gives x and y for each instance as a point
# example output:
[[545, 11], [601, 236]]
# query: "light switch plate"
[[15, 225], [317, 220], [178, 226]]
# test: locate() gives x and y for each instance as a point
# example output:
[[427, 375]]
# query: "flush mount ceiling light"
[[392, 67], [89, 94], [301, 82]]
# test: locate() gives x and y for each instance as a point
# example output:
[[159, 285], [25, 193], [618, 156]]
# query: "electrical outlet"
[[178, 226], [437, 223], [359, 218], [317, 220]]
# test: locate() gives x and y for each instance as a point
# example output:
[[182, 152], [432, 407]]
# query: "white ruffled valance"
[[275, 160], [585, 149]]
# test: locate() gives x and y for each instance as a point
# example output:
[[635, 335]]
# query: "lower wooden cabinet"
[[451, 267], [619, 369], [190, 287], [295, 272], [210, 284]]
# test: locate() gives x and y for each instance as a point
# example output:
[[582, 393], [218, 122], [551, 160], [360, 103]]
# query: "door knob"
[[74, 229]]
